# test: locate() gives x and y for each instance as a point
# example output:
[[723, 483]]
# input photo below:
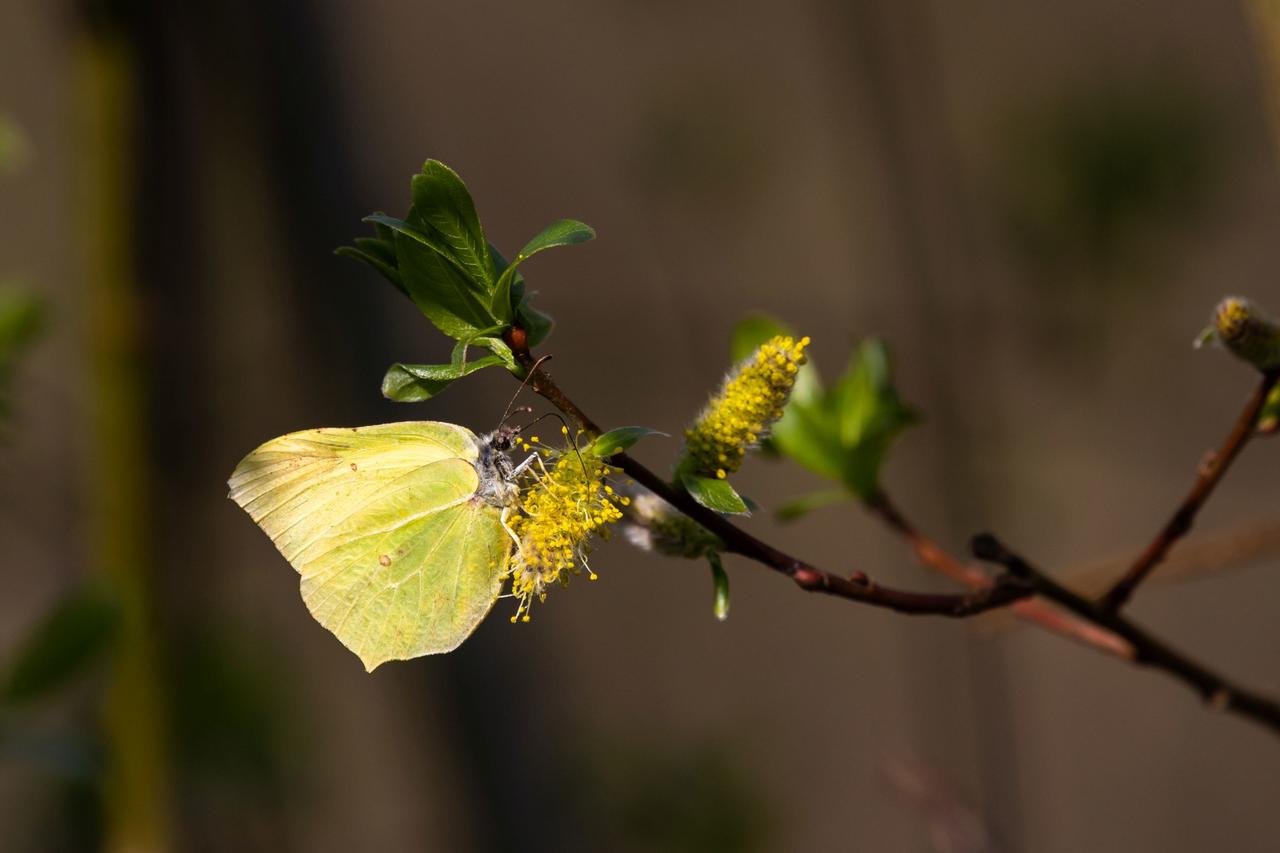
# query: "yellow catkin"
[[563, 509], [748, 402]]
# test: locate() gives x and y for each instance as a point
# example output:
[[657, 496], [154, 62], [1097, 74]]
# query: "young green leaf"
[[870, 415], [806, 504], [843, 433], [440, 290], [388, 270], [810, 435], [565, 232], [413, 383], [442, 201], [1269, 417], [481, 337], [427, 237], [536, 324], [618, 440], [720, 581], [714, 494]]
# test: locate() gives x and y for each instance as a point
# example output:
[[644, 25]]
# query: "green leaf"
[[565, 232], [413, 383], [844, 434], [63, 644], [441, 200], [387, 270], [428, 238], [383, 250], [720, 582], [714, 494], [618, 440], [806, 504], [482, 337], [809, 435], [537, 325], [21, 315], [440, 290], [870, 416], [1269, 417]]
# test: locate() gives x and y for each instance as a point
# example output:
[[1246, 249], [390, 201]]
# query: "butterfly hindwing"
[[397, 555]]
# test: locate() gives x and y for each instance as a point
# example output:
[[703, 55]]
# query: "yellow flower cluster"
[[738, 416], [561, 509], [1231, 317]]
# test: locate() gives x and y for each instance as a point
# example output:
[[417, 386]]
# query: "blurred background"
[[1036, 204]]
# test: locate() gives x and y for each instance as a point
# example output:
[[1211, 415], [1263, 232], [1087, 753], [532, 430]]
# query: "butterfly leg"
[[502, 517], [524, 466]]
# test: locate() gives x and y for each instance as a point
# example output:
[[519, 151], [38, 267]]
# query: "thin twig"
[[1214, 689], [1036, 611], [1020, 580], [1180, 522], [1197, 556], [855, 587]]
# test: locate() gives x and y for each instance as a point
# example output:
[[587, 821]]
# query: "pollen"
[[564, 509], [740, 414]]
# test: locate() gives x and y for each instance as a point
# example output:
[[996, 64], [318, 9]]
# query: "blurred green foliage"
[[67, 641], [1091, 175], [677, 797], [842, 433], [21, 317], [14, 148]]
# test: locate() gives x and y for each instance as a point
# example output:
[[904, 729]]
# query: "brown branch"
[[857, 586], [1180, 522], [1036, 611], [1009, 589], [1214, 689]]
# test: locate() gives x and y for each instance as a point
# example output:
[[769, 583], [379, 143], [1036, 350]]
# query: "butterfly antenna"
[[565, 424], [515, 396]]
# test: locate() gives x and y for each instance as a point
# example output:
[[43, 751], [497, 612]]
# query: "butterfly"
[[397, 530]]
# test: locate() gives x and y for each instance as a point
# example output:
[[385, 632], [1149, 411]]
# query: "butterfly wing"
[[398, 557]]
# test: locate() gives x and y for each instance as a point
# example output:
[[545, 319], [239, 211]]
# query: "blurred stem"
[[136, 781], [1210, 474], [1216, 690], [1034, 610]]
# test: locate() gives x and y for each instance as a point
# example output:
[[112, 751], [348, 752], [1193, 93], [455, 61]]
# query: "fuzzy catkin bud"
[[740, 414], [1245, 330], [652, 524]]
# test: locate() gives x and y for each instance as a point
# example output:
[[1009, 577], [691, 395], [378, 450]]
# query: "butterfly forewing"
[[397, 555]]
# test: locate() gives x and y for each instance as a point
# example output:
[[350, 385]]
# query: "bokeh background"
[[1035, 203]]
